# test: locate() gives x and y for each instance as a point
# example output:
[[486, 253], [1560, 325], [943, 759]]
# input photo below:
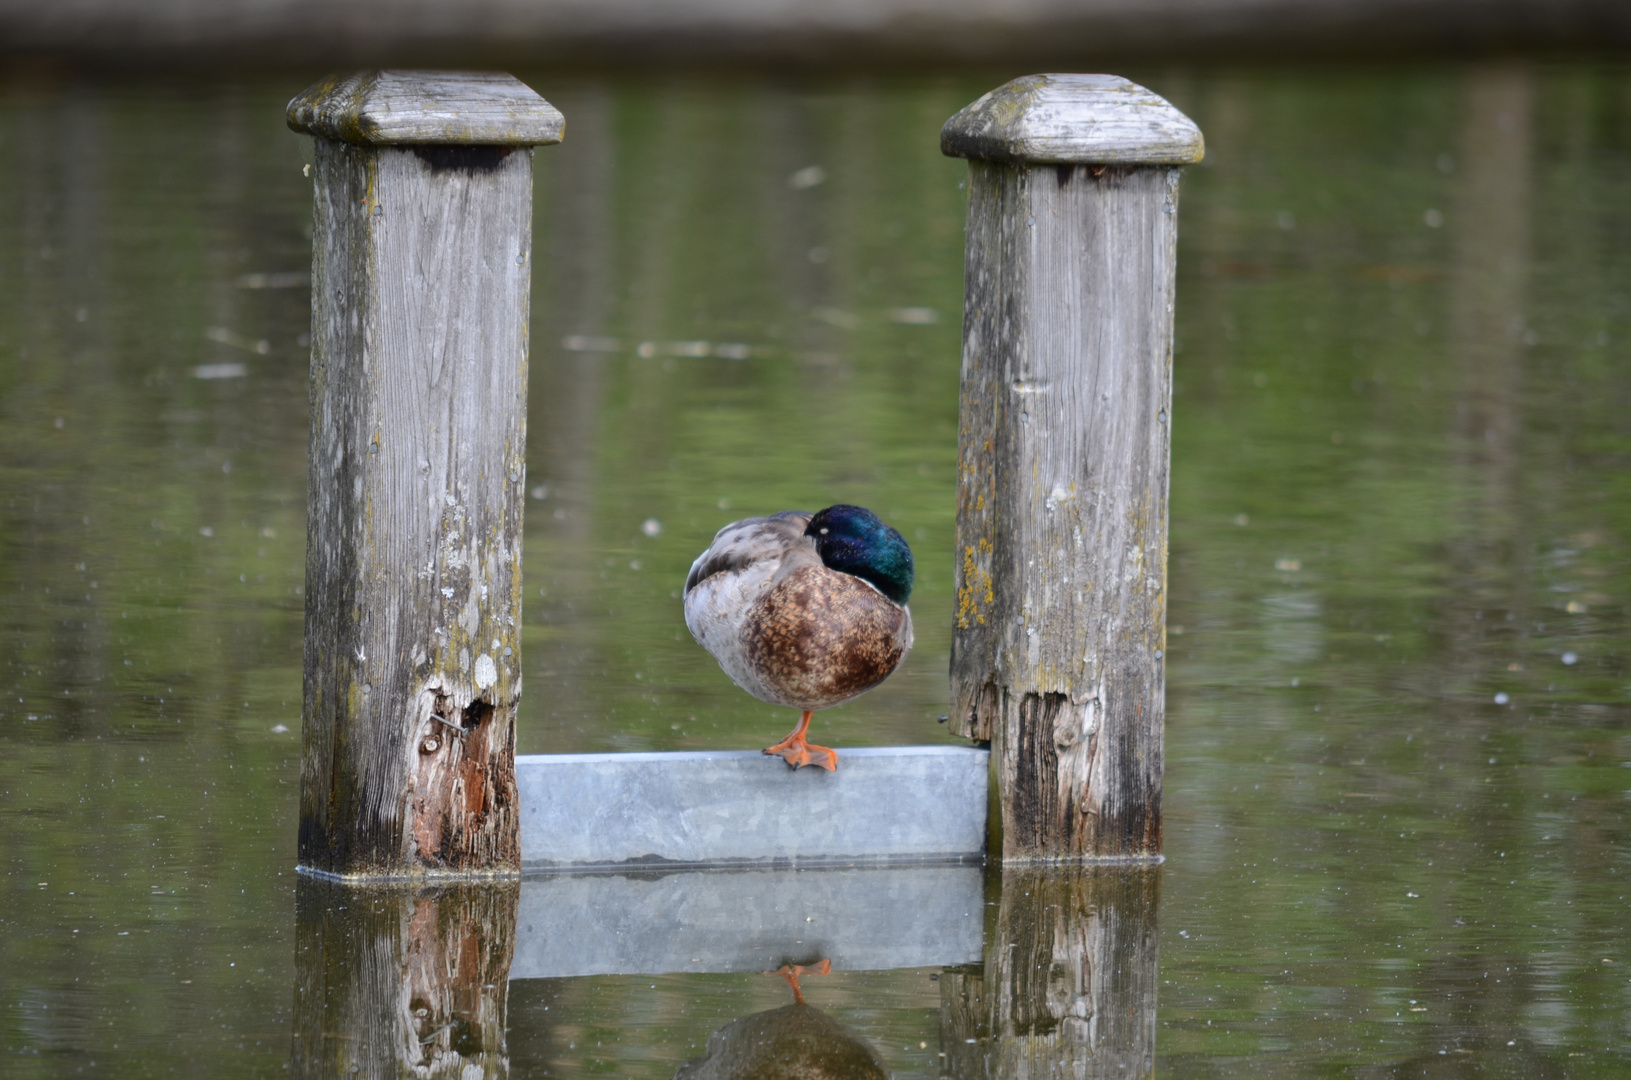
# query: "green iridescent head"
[[852, 540]]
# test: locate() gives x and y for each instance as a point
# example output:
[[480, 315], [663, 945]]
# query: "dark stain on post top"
[[470, 159]]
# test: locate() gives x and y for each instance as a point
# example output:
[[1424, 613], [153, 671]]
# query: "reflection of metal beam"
[[756, 920], [727, 807]]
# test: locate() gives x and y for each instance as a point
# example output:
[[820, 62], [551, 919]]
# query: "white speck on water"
[[808, 177], [205, 530], [1433, 219], [1569, 659], [651, 527], [280, 729], [590, 343], [486, 671], [1501, 698], [540, 492], [914, 316]]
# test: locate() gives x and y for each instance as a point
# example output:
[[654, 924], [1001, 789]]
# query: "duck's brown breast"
[[819, 637]]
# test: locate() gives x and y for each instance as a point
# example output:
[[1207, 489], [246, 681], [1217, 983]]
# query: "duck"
[[805, 611], [794, 1042]]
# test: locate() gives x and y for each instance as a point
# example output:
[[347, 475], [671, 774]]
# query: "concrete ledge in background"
[[738, 808], [755, 920], [161, 35]]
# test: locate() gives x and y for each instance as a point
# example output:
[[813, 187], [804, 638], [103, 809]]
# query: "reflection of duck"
[[803, 610], [794, 1042]]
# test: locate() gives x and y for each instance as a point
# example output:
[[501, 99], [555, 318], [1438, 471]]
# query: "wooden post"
[[402, 982], [1068, 988], [1063, 453], [421, 271]]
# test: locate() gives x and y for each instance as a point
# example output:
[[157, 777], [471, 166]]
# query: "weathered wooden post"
[[421, 270], [1063, 452]]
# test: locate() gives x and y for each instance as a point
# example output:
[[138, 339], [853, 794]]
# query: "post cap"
[[1087, 119], [468, 108]]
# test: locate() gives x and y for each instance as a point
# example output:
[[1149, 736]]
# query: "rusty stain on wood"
[[421, 273]]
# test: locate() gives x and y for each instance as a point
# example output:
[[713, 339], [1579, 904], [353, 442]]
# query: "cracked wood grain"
[[1063, 457], [420, 284]]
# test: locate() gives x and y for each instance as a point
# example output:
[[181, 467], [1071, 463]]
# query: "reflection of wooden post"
[[1069, 983], [1488, 291], [421, 271], [1063, 454], [398, 983]]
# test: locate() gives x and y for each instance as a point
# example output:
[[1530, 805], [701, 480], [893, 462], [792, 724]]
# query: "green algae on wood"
[[1063, 456], [421, 277]]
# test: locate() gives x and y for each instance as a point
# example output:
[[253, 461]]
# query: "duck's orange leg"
[[791, 973], [795, 751]]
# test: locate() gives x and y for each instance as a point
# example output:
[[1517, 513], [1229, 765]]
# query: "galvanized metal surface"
[[734, 807]]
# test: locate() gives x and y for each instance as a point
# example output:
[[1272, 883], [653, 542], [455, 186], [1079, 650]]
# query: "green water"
[[1398, 800]]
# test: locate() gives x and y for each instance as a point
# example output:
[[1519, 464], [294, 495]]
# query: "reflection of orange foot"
[[791, 973], [795, 751]]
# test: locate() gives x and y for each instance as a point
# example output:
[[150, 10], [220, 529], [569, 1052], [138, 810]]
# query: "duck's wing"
[[748, 543]]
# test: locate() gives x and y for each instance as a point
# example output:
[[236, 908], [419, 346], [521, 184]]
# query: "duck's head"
[[852, 540]]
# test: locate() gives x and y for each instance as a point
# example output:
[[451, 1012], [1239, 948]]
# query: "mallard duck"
[[804, 610], [794, 1042]]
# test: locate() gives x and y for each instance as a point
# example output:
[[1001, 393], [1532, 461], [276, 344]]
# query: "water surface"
[[1399, 714]]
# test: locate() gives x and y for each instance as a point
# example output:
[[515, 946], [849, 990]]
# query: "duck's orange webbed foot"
[[796, 752], [791, 973]]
